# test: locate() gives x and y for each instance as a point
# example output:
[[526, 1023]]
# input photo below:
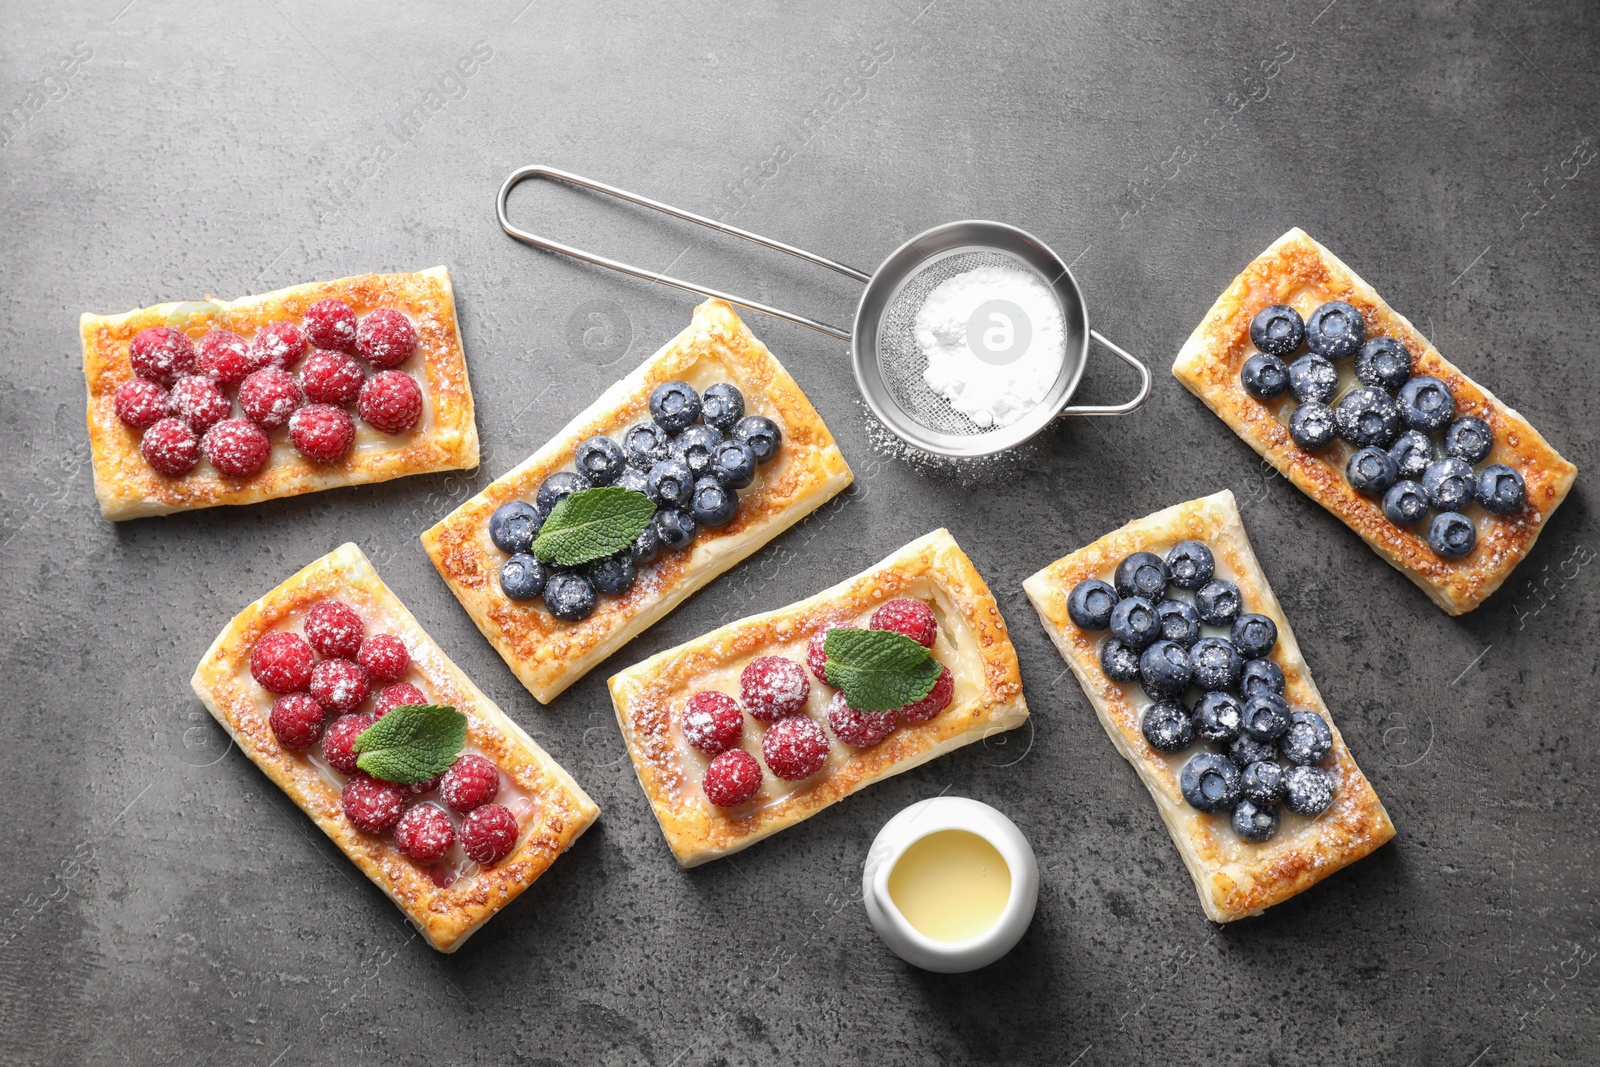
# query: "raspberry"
[[322, 432], [297, 720], [385, 657], [339, 685], [391, 401], [815, 657], [161, 355], [336, 742], [386, 338], [198, 401], [330, 377], [139, 403], [912, 618], [269, 396], [425, 833], [772, 687], [712, 722], [278, 344], [937, 700], [170, 447], [224, 356], [863, 729], [331, 324], [489, 834], [236, 447], [334, 629], [373, 805], [733, 778], [281, 662], [471, 782], [396, 696], [419, 789], [795, 747]]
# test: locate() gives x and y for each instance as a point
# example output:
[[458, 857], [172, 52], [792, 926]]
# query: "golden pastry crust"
[[973, 644], [1234, 877], [446, 439], [1298, 271], [547, 654], [560, 810]]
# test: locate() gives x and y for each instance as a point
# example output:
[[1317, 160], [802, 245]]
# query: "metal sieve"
[[888, 361]]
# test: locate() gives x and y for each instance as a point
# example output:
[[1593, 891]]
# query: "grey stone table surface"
[[164, 903]]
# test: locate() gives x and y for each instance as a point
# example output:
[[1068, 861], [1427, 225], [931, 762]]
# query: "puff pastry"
[[552, 808], [1298, 271], [1234, 877], [972, 643], [547, 654], [445, 439]]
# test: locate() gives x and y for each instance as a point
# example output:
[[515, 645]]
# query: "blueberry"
[[1089, 604], [1277, 330], [675, 406], [675, 528], [1266, 717], [1218, 718], [1166, 726], [633, 478], [513, 526], [1368, 416], [646, 445], [1260, 676], [1426, 404], [1179, 622], [1217, 602], [646, 547], [1254, 635], [761, 434], [1405, 503], [1245, 750], [1411, 452], [670, 484], [1500, 490], [1335, 330], [556, 488], [1383, 362], [1371, 471], [1262, 781], [1134, 622], [1141, 574], [612, 574], [695, 447], [569, 596], [522, 577], [1164, 669], [1209, 782], [1448, 483], [1254, 822], [1307, 790], [1216, 663], [712, 503], [1190, 564], [1451, 535], [1312, 425], [1118, 662], [1468, 438], [1309, 739], [722, 405], [1264, 377], [733, 464], [1313, 378], [600, 459]]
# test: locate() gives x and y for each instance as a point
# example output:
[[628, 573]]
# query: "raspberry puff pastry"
[[548, 654], [1298, 272], [447, 900], [650, 698], [235, 338], [1234, 876]]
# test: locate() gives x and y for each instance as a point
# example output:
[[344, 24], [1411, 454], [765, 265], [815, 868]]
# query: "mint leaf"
[[878, 670], [412, 743], [593, 523]]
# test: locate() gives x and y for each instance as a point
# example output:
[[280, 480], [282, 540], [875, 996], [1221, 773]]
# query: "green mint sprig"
[[591, 524], [412, 743], [878, 670]]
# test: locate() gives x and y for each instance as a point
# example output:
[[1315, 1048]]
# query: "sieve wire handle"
[[534, 239], [1116, 409]]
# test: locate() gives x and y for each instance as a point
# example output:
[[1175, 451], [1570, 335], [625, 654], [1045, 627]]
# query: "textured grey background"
[[163, 903]]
